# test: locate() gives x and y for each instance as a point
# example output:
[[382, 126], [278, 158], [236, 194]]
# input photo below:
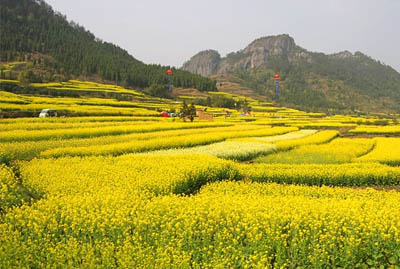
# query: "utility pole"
[[169, 73], [277, 77]]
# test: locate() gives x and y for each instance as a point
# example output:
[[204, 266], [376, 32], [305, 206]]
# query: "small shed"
[[203, 115]]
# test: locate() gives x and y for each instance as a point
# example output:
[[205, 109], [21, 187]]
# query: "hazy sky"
[[169, 32]]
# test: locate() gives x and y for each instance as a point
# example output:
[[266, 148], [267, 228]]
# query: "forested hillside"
[[31, 31]]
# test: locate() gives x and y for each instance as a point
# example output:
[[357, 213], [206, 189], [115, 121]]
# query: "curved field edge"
[[27, 150], [339, 150], [186, 173], [12, 192]]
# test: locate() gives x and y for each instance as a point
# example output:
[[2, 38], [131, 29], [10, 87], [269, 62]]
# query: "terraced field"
[[280, 189]]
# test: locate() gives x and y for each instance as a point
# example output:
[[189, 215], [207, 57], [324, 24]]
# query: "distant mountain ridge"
[[256, 54], [309, 80]]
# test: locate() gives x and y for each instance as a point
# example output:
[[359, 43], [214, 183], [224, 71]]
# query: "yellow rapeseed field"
[[29, 149], [317, 138], [363, 129], [387, 150], [233, 150], [275, 138], [157, 143], [154, 173], [227, 225], [12, 192], [35, 135], [259, 191], [348, 174], [340, 150]]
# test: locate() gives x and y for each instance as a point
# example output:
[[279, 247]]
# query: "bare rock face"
[[261, 49], [254, 55], [347, 55], [343, 55], [204, 63]]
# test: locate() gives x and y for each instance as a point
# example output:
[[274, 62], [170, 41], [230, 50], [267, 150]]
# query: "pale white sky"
[[170, 32]]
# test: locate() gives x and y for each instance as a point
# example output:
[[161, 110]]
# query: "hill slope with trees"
[[32, 31]]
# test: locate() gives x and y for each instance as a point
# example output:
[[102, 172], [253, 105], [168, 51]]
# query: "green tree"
[[246, 107], [222, 101], [184, 111], [158, 90], [209, 101], [192, 112]]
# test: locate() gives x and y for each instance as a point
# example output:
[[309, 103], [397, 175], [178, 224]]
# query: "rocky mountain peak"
[[343, 55], [204, 63], [348, 55], [280, 45], [262, 49], [256, 54]]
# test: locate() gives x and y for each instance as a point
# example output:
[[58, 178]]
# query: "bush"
[[158, 90]]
